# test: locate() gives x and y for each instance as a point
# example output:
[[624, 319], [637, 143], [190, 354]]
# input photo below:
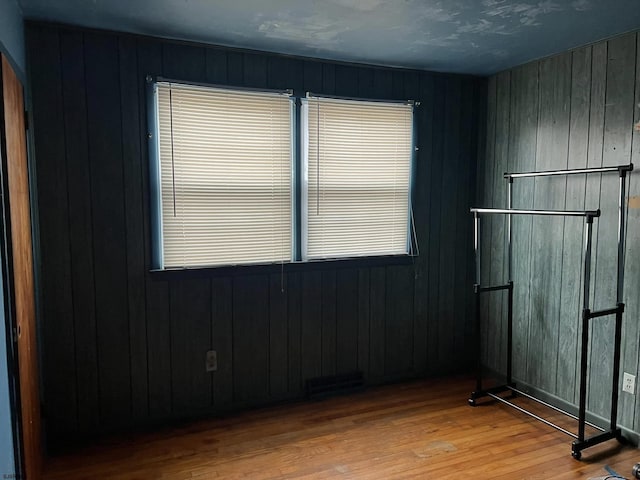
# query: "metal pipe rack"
[[580, 442]]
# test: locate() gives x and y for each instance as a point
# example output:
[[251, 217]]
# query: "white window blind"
[[357, 179], [225, 176]]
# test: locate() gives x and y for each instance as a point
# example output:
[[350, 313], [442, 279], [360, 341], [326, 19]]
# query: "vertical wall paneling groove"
[[477, 148], [294, 334], [222, 340], [104, 126], [576, 109], [572, 243], [328, 319], [80, 227], [59, 367], [522, 148], [497, 265], [251, 341], [365, 83], [190, 307], [156, 290], [596, 139], [182, 62], [277, 73], [448, 253], [216, 66], [435, 203], [399, 321], [345, 81], [328, 79], [616, 150], [467, 122], [311, 328], [346, 320], [124, 346], [547, 233], [421, 217], [463, 233], [235, 63], [312, 78], [254, 70], [377, 308], [364, 325], [131, 148], [487, 327], [278, 339], [461, 240]]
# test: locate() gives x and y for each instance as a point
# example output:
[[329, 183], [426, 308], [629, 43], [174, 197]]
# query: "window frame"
[[298, 193], [156, 166], [303, 180]]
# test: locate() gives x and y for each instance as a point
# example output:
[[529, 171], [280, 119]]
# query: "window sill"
[[294, 267]]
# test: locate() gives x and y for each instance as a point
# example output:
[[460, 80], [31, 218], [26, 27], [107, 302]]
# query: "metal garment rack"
[[580, 441]]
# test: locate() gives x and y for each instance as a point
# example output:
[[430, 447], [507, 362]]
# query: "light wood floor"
[[417, 430]]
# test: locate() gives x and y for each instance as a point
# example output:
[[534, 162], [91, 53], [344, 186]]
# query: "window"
[[357, 178], [223, 185], [225, 181]]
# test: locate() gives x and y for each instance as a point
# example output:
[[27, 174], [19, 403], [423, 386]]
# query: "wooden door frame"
[[28, 463], [6, 270]]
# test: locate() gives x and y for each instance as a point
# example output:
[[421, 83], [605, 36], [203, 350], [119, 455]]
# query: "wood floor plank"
[[422, 429]]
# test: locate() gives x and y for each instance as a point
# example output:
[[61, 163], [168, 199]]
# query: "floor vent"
[[322, 387]]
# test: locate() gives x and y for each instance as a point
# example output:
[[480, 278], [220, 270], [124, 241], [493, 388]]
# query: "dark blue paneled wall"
[[123, 346]]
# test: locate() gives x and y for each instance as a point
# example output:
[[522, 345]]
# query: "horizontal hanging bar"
[[494, 288], [557, 213], [604, 313], [553, 407], [537, 417], [575, 171]]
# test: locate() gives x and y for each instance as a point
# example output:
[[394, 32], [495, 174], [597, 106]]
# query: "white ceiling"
[[466, 36]]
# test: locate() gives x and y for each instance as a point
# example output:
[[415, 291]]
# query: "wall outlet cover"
[[211, 363], [629, 383]]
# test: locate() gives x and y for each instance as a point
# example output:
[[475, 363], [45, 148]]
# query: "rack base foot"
[[477, 394], [578, 445]]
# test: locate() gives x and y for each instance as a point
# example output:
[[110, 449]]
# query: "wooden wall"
[[123, 346], [572, 110]]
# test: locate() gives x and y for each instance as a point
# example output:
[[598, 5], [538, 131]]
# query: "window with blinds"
[[357, 176], [224, 176]]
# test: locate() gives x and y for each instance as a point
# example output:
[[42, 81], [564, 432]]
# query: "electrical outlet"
[[211, 363], [629, 383]]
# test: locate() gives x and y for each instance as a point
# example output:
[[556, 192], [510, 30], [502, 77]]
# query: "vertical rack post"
[[621, 236], [616, 368], [586, 315], [476, 244], [510, 283], [476, 291], [622, 217], [509, 235], [510, 334]]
